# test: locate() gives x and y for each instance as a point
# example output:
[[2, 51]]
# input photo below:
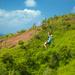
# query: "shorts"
[[47, 42]]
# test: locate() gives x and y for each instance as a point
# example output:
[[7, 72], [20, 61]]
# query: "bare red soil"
[[15, 39]]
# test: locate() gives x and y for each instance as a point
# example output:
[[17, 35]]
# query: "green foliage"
[[31, 58], [54, 61], [3, 70], [68, 69], [65, 55], [22, 45], [21, 31]]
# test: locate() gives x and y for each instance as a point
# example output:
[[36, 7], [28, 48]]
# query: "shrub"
[[65, 55], [54, 61], [3, 70], [22, 31], [21, 42], [8, 60], [22, 45]]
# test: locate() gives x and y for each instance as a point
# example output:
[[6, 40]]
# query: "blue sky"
[[22, 14]]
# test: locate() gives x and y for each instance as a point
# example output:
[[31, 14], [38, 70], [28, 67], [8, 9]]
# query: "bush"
[[54, 61], [22, 31], [22, 45], [3, 70], [8, 60], [65, 55]]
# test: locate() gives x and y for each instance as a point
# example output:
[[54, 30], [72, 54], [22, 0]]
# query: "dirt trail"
[[15, 39]]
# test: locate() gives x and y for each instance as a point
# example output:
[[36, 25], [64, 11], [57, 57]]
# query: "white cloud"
[[73, 10], [30, 3], [16, 18]]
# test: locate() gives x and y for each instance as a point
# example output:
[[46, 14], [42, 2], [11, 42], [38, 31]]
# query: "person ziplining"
[[49, 40]]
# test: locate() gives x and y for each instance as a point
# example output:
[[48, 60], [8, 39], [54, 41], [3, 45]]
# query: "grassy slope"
[[31, 58]]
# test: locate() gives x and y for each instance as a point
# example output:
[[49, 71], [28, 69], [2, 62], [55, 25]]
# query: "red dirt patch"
[[15, 39]]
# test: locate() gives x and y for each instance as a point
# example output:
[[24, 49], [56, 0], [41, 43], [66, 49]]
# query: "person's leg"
[[45, 44]]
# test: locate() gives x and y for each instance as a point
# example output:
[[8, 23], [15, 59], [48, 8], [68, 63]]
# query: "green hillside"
[[31, 58]]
